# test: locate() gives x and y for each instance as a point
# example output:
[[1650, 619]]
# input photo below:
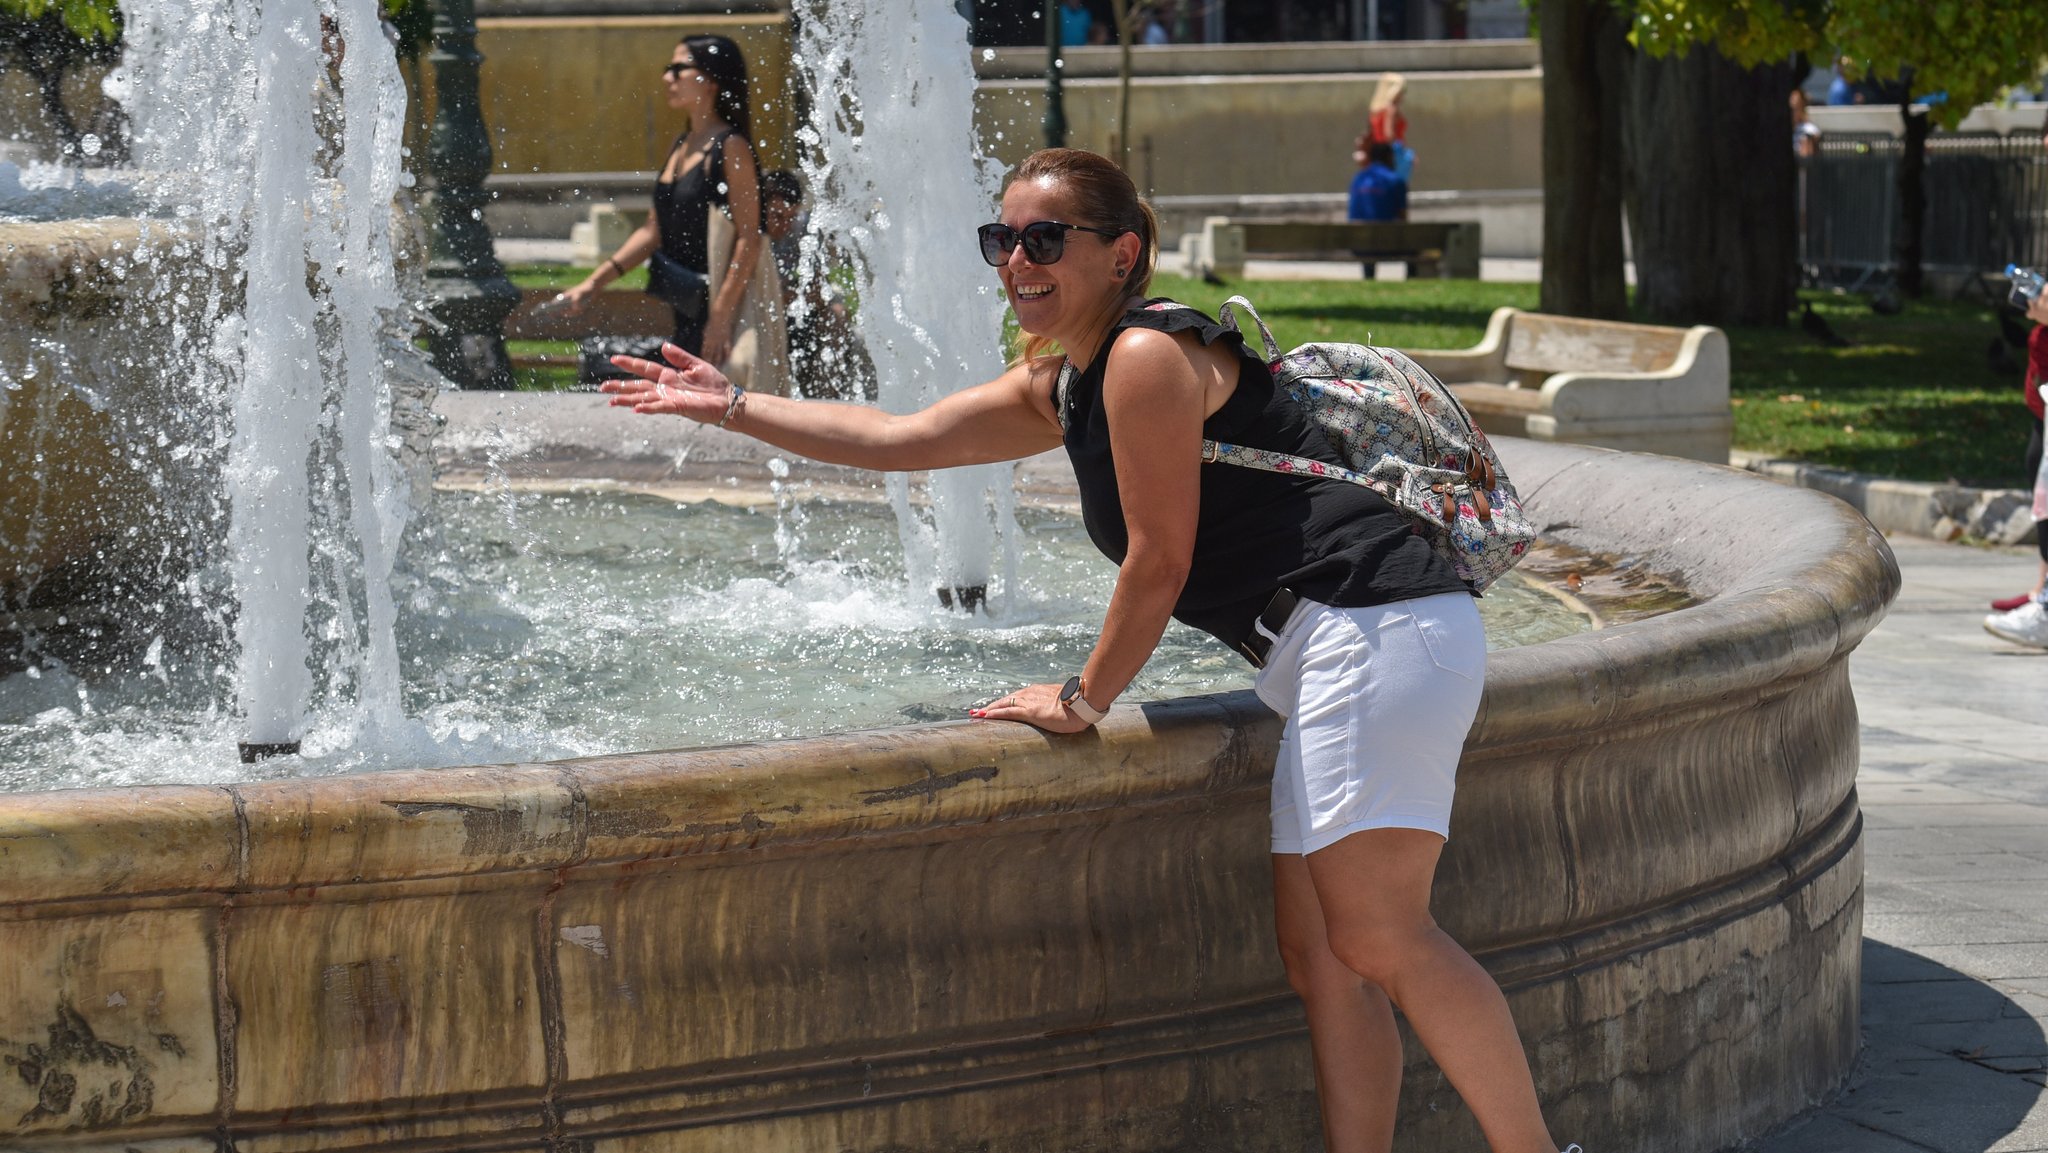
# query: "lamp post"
[[1055, 101], [470, 294]]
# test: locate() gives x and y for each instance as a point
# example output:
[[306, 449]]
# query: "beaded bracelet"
[[734, 406], [616, 270]]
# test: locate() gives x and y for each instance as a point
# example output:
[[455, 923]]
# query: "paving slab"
[[1954, 789]]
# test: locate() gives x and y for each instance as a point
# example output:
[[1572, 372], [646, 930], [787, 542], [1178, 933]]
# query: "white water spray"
[[279, 139], [897, 174]]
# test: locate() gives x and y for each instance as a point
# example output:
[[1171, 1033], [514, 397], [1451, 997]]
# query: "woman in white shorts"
[[1367, 642]]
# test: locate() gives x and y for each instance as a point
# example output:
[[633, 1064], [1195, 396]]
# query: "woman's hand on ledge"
[[1037, 705]]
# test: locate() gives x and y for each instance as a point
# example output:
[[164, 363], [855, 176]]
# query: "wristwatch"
[[1070, 696]]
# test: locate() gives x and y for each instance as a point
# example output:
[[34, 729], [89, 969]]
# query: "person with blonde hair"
[[1364, 637], [1385, 124]]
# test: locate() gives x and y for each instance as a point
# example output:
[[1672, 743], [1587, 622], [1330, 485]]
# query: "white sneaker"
[[2025, 625]]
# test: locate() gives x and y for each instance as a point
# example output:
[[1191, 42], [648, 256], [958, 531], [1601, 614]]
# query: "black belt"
[[1256, 645]]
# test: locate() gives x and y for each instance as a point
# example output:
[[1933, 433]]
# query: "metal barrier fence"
[[1987, 205]]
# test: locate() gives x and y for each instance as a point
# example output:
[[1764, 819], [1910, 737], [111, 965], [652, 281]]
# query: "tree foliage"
[[1749, 32], [1970, 49], [414, 21], [89, 21], [47, 40]]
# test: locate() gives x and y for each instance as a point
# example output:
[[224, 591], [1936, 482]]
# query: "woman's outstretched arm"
[[1007, 418], [638, 247]]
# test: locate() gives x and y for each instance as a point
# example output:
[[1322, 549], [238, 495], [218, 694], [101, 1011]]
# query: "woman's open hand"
[[686, 386], [1037, 705]]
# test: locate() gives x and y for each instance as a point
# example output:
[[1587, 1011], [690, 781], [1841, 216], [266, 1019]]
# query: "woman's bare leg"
[[1373, 888], [1350, 1023]]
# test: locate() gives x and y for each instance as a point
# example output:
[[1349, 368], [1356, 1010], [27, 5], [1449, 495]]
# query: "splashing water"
[[280, 139], [892, 91]]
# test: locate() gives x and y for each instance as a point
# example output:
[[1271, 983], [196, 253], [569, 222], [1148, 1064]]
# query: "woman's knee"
[[1312, 970], [1380, 952]]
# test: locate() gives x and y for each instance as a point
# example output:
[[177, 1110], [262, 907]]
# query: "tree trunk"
[[1122, 10], [1912, 242], [1712, 190], [1585, 71], [50, 86]]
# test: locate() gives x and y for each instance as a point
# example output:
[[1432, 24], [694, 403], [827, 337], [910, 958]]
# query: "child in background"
[[2023, 619]]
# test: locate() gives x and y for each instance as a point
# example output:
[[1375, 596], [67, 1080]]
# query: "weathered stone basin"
[[78, 500], [977, 936]]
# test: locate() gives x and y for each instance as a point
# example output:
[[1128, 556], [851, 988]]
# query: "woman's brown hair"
[[1104, 197], [719, 58]]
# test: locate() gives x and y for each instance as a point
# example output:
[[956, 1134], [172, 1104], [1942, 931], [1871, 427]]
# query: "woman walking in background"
[[711, 164]]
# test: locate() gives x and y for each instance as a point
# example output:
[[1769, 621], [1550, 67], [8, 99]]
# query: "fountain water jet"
[[215, 88], [873, 73]]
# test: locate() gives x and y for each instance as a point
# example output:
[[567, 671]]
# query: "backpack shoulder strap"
[[1265, 334], [1265, 460], [1063, 392]]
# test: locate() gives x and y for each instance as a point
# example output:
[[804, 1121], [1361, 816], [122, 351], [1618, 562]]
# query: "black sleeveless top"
[[680, 205], [1325, 539]]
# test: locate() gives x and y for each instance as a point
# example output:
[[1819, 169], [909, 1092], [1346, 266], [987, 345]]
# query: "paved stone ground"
[[1954, 788]]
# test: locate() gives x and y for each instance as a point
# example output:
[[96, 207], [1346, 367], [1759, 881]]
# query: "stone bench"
[[1441, 248], [1641, 387]]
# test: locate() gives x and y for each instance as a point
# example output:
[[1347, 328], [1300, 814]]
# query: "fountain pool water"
[[575, 623]]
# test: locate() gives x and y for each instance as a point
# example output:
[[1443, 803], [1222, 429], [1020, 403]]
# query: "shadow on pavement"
[[1950, 1063]]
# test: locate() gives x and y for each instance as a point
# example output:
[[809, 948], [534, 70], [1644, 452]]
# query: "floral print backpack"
[[1405, 437]]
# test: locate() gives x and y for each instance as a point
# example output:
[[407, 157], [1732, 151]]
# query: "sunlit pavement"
[[1954, 788]]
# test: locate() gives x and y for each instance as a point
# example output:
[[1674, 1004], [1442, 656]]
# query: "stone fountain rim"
[[1775, 619]]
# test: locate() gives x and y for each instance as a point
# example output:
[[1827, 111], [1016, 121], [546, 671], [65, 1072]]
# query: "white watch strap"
[[1086, 711]]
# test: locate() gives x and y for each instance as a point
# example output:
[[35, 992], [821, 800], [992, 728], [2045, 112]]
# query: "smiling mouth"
[[1032, 292]]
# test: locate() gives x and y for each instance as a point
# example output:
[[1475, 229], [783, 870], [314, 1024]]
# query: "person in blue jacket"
[[1378, 192]]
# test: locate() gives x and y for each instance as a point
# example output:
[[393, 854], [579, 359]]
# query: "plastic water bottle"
[[2026, 285], [559, 303]]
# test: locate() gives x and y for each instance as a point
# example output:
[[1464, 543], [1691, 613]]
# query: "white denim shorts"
[[1378, 701]]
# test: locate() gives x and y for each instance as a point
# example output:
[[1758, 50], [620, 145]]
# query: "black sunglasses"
[[1044, 240], [677, 69]]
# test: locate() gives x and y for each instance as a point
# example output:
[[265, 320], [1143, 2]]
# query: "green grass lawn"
[[561, 276], [1913, 396]]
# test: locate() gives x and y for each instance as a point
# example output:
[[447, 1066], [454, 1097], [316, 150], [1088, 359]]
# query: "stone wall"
[[583, 95], [1282, 118], [77, 493]]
